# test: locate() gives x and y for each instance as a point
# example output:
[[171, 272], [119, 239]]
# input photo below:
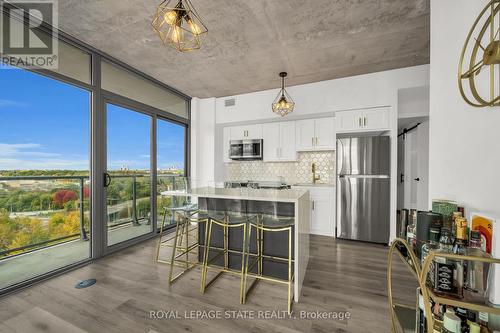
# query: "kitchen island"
[[290, 203]]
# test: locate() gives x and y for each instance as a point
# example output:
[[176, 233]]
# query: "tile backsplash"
[[291, 172]]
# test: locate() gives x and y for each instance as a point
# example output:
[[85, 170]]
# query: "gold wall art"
[[479, 67]]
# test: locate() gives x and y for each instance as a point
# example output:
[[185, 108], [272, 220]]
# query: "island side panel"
[[302, 234]]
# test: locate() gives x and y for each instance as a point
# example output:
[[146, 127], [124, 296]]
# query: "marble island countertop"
[[289, 195]]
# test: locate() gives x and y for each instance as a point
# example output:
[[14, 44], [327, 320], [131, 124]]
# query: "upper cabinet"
[[363, 120], [279, 142], [247, 132], [315, 134]]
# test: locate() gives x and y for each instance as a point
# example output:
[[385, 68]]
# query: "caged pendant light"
[[178, 26], [283, 103]]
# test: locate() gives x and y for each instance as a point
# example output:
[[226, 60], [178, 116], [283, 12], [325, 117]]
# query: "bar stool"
[[230, 221], [269, 224], [184, 220], [179, 211]]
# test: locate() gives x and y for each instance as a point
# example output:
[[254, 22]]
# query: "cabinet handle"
[[312, 205], [365, 121], [317, 141], [280, 151], [277, 152], [359, 122], [312, 141]]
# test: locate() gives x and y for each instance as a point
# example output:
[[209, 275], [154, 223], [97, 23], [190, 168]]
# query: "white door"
[[323, 222], [287, 149], [271, 134], [324, 131], [376, 119], [305, 134], [411, 171], [416, 166], [423, 166], [348, 121]]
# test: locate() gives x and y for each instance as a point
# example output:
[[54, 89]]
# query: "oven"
[[245, 149]]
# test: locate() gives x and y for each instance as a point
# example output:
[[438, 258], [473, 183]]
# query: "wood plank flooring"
[[342, 276]]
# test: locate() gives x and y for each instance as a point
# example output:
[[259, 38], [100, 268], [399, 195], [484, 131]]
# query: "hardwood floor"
[[342, 276]]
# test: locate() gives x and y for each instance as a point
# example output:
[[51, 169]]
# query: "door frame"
[[100, 246]]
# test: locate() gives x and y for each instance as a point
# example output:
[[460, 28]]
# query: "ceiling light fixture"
[[179, 26], [283, 103]]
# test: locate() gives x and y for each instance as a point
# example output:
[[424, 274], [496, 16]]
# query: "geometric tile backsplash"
[[289, 172]]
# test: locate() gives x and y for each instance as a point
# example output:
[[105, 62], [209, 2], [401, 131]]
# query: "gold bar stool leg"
[[161, 235], [290, 285], [205, 259], [245, 272], [174, 251], [243, 255]]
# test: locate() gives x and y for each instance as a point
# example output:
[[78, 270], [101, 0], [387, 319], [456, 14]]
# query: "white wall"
[[202, 140], [413, 102], [464, 141], [356, 92], [312, 100], [464, 154]]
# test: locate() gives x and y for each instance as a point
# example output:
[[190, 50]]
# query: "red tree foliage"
[[63, 196], [86, 192]]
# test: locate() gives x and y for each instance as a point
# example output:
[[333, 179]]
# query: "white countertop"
[[292, 195]]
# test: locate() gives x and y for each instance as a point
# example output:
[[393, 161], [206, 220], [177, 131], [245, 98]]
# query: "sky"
[[45, 124]]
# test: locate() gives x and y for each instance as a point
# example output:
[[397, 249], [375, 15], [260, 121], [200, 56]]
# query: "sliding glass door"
[[128, 176]]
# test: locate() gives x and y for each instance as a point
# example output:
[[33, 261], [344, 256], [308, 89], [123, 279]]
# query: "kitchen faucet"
[[314, 176]]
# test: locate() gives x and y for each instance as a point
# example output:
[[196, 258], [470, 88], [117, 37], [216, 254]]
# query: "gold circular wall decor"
[[481, 52]]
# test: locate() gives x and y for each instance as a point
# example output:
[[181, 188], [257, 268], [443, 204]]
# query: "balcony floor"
[[342, 276], [25, 266]]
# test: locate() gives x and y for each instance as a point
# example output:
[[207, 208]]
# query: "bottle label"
[[484, 317]]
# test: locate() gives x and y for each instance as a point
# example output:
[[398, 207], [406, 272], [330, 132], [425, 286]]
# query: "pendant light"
[[178, 26], [283, 103]]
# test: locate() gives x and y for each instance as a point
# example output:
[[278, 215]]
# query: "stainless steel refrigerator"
[[363, 188]]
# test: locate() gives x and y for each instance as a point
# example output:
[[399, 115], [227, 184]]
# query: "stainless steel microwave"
[[245, 149]]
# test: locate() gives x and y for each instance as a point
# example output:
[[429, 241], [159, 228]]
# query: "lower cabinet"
[[322, 210]]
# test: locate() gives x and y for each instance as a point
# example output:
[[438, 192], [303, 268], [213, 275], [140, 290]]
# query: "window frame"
[[97, 158]]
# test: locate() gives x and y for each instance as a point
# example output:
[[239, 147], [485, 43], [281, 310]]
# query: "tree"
[[62, 196]]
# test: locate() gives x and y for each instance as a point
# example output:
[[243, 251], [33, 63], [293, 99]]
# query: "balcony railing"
[[128, 202]]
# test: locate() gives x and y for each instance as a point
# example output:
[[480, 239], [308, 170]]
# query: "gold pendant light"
[[283, 103], [179, 26]]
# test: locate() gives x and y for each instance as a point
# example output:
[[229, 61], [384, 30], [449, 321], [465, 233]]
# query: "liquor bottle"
[[477, 273], [433, 243], [484, 322], [447, 273], [461, 241], [474, 328], [453, 223], [411, 230]]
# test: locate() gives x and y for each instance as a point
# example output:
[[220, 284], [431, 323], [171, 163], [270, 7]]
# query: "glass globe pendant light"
[[283, 103], [178, 26]]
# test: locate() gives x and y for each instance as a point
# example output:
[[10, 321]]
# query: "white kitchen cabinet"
[[305, 134], [322, 209], [226, 138], [367, 120], [324, 132], [288, 149], [279, 142], [246, 132], [316, 134]]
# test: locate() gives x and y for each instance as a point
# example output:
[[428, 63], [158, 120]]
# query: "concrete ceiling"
[[251, 41]]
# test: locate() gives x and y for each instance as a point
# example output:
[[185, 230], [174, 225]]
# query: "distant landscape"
[[39, 211]]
